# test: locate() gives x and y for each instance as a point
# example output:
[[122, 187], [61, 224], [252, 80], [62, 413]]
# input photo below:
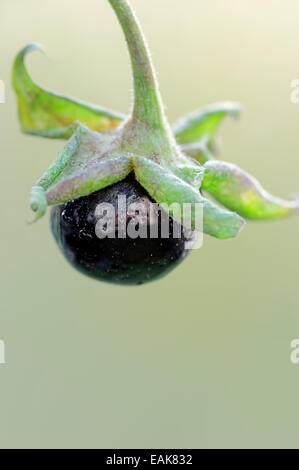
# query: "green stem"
[[148, 106]]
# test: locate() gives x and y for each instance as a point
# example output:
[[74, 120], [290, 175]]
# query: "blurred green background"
[[202, 357]]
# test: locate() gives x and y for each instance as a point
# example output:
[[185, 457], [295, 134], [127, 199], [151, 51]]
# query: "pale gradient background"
[[201, 358]]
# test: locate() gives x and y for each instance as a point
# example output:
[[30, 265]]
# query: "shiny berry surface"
[[118, 260]]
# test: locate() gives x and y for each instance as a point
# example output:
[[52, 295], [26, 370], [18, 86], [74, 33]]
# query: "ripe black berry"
[[117, 260]]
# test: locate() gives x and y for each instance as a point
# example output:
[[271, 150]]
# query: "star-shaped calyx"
[[173, 165]]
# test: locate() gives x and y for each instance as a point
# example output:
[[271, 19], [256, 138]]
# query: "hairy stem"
[[148, 106]]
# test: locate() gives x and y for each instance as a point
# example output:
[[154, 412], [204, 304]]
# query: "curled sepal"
[[38, 202], [94, 177], [168, 190], [49, 114], [203, 122], [242, 193], [198, 150], [82, 167]]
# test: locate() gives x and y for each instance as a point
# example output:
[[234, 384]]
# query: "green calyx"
[[103, 146]]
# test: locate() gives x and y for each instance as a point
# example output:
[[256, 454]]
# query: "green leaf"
[[242, 193], [49, 114], [203, 122], [167, 189]]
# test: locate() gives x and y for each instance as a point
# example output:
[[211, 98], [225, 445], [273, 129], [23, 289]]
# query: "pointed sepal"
[[199, 150], [240, 192], [49, 114], [167, 189], [82, 167], [203, 122], [94, 177]]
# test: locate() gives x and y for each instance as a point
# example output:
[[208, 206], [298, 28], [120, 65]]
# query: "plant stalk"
[[148, 106]]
